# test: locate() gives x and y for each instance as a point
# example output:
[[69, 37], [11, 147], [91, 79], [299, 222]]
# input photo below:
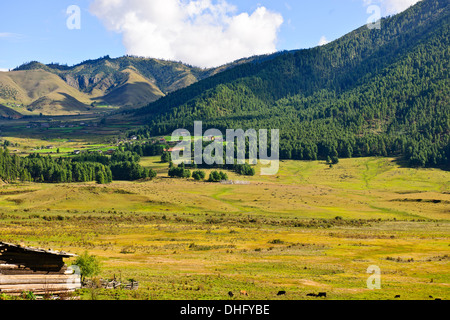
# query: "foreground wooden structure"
[[37, 270]]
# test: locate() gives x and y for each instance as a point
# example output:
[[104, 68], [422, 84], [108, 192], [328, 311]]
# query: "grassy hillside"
[[310, 229], [39, 91], [135, 91], [6, 112]]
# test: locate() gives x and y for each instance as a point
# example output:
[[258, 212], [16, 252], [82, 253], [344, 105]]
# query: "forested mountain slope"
[[370, 93]]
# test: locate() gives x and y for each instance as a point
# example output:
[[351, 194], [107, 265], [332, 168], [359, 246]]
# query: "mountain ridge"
[[125, 82]]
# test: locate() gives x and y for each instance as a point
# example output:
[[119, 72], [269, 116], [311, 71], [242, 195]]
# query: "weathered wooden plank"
[[31, 283], [25, 271], [39, 292], [8, 266], [31, 279], [39, 286], [42, 276]]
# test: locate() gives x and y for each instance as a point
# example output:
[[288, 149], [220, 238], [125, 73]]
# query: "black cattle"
[[397, 296], [322, 294], [280, 293], [230, 294], [311, 295]]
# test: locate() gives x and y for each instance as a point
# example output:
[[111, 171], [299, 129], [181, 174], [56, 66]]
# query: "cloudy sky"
[[203, 33]]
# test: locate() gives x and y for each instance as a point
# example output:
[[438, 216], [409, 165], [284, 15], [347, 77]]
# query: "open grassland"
[[308, 229], [54, 147], [84, 127]]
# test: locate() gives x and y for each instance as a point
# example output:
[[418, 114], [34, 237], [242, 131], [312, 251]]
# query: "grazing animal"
[[311, 295], [397, 296], [280, 293], [322, 294], [244, 293], [230, 294]]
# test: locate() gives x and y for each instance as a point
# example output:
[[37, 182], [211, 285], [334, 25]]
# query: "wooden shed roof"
[[20, 248]]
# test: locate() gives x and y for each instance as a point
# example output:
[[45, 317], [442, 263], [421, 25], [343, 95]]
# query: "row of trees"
[[146, 149], [180, 171], [83, 168]]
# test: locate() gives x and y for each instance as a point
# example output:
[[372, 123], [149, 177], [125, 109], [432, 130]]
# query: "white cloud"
[[323, 41], [391, 7], [10, 35], [4, 70], [204, 33]]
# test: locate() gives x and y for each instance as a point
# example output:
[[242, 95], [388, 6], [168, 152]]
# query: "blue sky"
[[217, 31]]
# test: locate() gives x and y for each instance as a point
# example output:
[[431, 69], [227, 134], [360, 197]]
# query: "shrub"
[[245, 169], [28, 295], [223, 176], [199, 175], [152, 174], [4, 296], [216, 176], [276, 241], [166, 157], [179, 172], [89, 265]]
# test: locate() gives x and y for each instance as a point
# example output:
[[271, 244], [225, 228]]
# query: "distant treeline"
[[122, 165], [146, 149]]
